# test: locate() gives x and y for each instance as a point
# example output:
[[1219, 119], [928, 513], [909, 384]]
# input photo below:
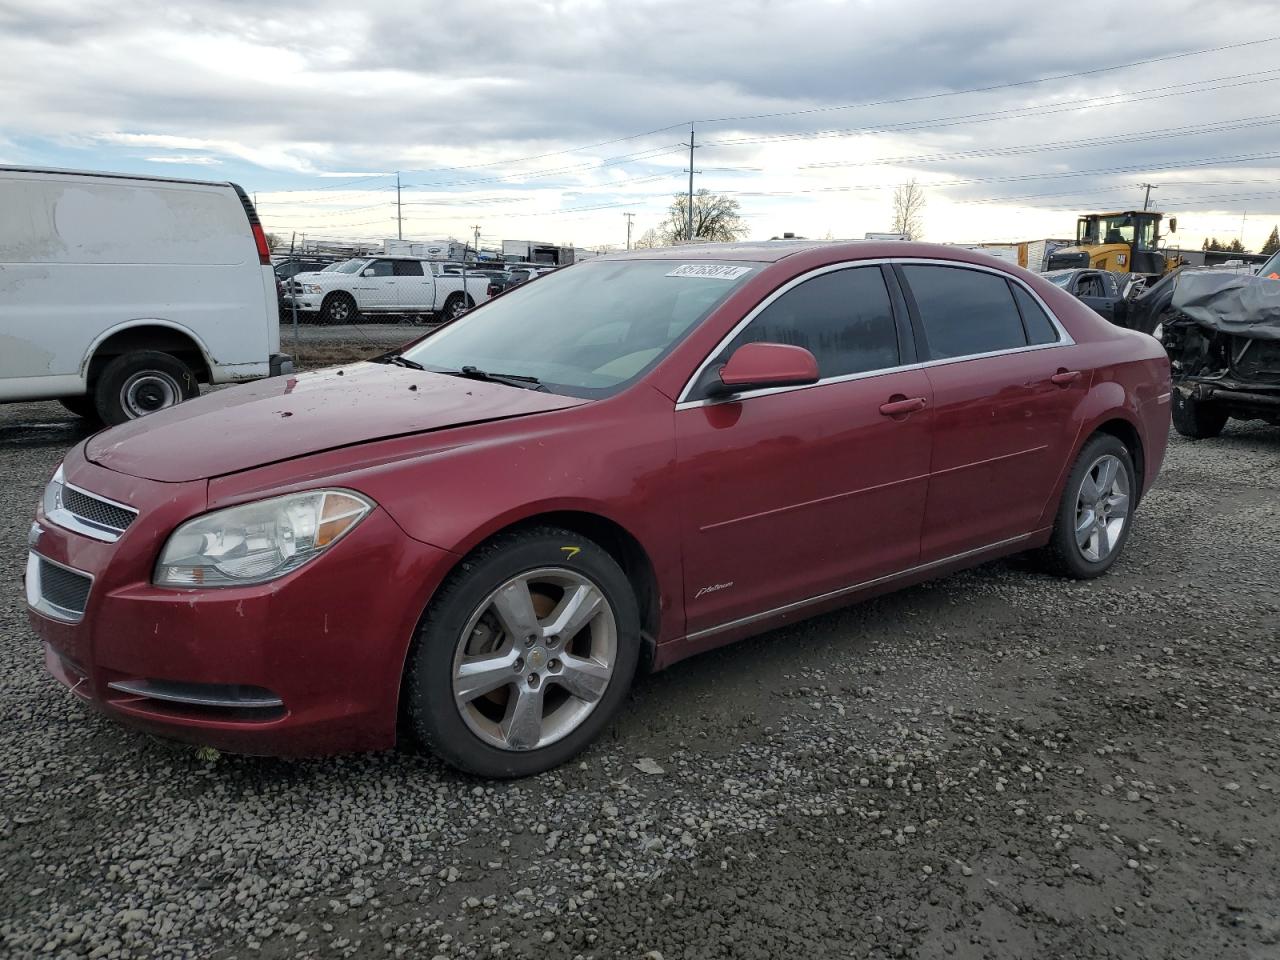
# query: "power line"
[[995, 86], [1014, 113], [1159, 133]]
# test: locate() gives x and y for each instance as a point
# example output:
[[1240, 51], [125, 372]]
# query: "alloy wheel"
[[535, 658], [1102, 508]]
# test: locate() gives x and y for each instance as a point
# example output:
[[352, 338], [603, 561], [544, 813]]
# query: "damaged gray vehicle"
[[1222, 334]]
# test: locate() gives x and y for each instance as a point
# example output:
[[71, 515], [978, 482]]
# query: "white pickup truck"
[[391, 285]]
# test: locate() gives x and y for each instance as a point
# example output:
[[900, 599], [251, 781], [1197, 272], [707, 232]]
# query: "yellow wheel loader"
[[1125, 242]]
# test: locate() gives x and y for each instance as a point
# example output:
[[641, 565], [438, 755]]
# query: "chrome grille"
[[102, 513]]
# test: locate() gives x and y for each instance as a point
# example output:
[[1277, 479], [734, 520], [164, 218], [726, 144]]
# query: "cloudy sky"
[[549, 120]]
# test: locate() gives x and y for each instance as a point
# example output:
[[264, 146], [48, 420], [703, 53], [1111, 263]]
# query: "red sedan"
[[628, 462]]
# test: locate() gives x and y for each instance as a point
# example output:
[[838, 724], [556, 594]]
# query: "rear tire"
[[455, 306], [1197, 419], [469, 624], [136, 384], [339, 308], [1081, 547]]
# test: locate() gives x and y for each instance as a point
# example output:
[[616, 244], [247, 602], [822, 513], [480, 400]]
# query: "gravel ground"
[[997, 764]]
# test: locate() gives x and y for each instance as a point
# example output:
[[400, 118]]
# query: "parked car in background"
[[1100, 290], [122, 294], [288, 267], [479, 541], [386, 285]]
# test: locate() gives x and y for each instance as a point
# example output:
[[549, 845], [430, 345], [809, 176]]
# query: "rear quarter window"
[[964, 312], [1040, 328]]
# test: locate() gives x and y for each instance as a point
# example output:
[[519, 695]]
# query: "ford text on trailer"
[[120, 295]]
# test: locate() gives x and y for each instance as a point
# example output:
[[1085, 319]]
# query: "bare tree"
[[908, 210], [715, 217], [648, 239]]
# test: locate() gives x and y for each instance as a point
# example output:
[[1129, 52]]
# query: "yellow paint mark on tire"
[[571, 552]]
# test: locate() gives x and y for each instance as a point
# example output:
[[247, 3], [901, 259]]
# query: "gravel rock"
[[1086, 769]]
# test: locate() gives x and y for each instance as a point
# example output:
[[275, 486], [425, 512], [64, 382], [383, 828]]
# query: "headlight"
[[53, 493], [311, 288], [257, 542]]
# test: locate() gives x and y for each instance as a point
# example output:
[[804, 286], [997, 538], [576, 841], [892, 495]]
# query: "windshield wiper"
[[399, 360], [509, 379]]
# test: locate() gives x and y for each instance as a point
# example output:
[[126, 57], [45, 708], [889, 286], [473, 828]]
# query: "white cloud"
[[298, 91]]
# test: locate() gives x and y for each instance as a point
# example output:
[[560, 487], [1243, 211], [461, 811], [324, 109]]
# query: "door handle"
[[1064, 378], [898, 405]]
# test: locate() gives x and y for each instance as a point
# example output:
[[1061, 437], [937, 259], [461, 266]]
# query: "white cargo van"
[[120, 295]]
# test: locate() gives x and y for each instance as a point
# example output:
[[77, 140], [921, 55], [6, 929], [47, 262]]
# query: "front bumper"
[[305, 304], [305, 665]]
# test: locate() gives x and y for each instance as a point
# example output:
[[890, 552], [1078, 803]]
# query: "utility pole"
[[692, 146], [476, 228], [629, 217], [399, 218], [1146, 201]]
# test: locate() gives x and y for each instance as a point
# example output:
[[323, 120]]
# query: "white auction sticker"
[[709, 271]]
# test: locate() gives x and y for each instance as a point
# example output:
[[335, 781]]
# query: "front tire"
[[1197, 419], [136, 384], [339, 308], [83, 407], [524, 656], [1096, 511]]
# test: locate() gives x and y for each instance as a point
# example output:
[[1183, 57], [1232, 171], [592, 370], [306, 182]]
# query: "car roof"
[[774, 251], [107, 175]]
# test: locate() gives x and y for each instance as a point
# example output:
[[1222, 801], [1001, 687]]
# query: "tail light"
[[259, 238], [493, 289]]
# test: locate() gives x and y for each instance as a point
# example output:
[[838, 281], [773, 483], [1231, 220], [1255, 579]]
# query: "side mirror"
[[755, 366], [367, 272], [1173, 224]]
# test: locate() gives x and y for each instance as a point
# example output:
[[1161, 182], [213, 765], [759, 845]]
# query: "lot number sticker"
[[709, 271]]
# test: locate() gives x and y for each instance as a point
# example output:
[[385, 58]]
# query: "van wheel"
[[339, 308], [83, 407], [136, 384], [1197, 419], [525, 654]]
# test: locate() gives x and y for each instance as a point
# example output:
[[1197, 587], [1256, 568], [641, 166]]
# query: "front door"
[[796, 492], [376, 292]]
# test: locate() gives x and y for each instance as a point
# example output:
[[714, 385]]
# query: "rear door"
[[1005, 385], [798, 491], [412, 285]]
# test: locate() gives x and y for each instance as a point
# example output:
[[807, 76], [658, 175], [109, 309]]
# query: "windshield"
[[351, 266], [589, 330], [1271, 269], [333, 267], [1060, 279]]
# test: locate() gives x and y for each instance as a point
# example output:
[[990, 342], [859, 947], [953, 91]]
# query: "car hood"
[[286, 417]]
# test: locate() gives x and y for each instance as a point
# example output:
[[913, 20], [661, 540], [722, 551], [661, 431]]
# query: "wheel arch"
[[1106, 410], [164, 336]]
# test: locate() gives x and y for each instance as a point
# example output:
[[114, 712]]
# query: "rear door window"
[[844, 318], [407, 268], [964, 312]]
